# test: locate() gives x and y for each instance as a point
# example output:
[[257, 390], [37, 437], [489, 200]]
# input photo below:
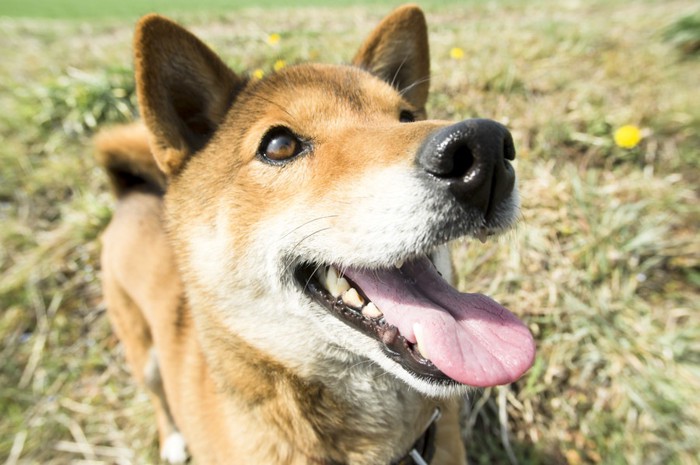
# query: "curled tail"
[[125, 153]]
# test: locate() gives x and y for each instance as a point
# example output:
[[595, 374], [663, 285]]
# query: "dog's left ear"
[[397, 51]]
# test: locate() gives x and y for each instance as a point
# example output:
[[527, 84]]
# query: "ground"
[[604, 265]]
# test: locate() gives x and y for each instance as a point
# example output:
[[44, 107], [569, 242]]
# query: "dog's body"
[[242, 208]]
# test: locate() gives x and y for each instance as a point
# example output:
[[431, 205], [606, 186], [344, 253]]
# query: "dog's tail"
[[125, 152]]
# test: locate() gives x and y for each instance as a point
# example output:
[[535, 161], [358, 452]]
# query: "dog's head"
[[304, 206]]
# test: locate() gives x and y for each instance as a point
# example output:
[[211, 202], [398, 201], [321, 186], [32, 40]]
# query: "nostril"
[[508, 147], [462, 162]]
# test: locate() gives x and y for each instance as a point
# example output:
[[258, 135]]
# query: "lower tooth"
[[418, 332], [371, 311], [352, 298]]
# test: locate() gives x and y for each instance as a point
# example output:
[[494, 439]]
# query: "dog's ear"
[[397, 51], [184, 90]]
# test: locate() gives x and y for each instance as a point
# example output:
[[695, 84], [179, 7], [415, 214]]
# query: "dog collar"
[[423, 449]]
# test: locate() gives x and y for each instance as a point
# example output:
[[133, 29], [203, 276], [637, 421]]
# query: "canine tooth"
[[399, 263], [418, 332], [335, 284], [342, 286], [371, 311], [352, 298]]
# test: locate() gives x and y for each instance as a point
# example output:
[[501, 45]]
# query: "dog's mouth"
[[425, 325]]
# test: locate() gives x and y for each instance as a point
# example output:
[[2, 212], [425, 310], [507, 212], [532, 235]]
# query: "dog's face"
[[304, 207]]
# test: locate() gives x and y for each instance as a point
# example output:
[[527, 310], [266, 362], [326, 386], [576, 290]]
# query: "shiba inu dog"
[[276, 265]]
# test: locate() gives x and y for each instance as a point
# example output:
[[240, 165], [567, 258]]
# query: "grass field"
[[604, 265], [82, 9]]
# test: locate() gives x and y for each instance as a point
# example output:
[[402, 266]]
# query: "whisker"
[[403, 91], [398, 70], [286, 268], [362, 362], [272, 102], [306, 285], [308, 222], [418, 82]]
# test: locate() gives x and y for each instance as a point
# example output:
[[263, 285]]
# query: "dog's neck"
[[351, 412]]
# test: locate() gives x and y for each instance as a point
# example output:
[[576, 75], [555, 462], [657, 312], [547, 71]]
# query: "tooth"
[[352, 298], [334, 283], [399, 263], [481, 235], [371, 311], [418, 332]]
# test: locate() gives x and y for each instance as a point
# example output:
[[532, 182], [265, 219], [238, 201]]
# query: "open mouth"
[[425, 325], [345, 300]]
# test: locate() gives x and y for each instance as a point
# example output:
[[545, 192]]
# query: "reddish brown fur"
[[233, 402]]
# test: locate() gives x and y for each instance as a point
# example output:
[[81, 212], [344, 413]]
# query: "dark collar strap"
[[423, 449]]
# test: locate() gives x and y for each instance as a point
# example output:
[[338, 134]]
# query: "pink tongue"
[[469, 337]]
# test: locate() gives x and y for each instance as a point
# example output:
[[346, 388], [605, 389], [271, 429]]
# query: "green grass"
[[604, 265], [84, 9]]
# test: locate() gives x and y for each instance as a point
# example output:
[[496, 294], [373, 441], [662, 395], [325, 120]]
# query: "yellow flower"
[[456, 53], [573, 457], [627, 136], [258, 73], [273, 39], [279, 64]]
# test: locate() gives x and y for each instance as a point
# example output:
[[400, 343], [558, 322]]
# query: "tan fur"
[[237, 395], [125, 149]]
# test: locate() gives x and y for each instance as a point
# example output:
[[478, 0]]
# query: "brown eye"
[[280, 145], [407, 117]]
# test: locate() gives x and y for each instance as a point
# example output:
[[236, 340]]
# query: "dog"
[[276, 267]]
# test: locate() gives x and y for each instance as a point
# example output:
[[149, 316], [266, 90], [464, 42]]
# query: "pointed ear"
[[397, 51], [184, 90]]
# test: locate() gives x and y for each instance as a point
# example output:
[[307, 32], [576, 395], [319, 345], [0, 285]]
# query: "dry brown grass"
[[605, 264]]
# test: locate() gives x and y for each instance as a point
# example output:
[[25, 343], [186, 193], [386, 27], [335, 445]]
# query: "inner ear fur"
[[397, 51], [184, 90]]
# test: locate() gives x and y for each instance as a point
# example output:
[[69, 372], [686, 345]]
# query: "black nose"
[[472, 157]]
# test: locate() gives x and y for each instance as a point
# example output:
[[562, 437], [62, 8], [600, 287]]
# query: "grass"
[[83, 9], [604, 265]]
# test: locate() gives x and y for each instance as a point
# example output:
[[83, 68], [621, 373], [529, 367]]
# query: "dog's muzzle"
[[472, 159]]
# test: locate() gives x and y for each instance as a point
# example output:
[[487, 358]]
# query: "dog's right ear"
[[184, 90]]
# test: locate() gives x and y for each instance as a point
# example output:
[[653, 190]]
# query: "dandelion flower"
[[627, 136], [273, 39], [258, 73], [456, 53], [279, 64]]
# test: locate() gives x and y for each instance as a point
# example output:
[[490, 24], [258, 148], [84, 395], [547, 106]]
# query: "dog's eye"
[[407, 117], [280, 145]]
